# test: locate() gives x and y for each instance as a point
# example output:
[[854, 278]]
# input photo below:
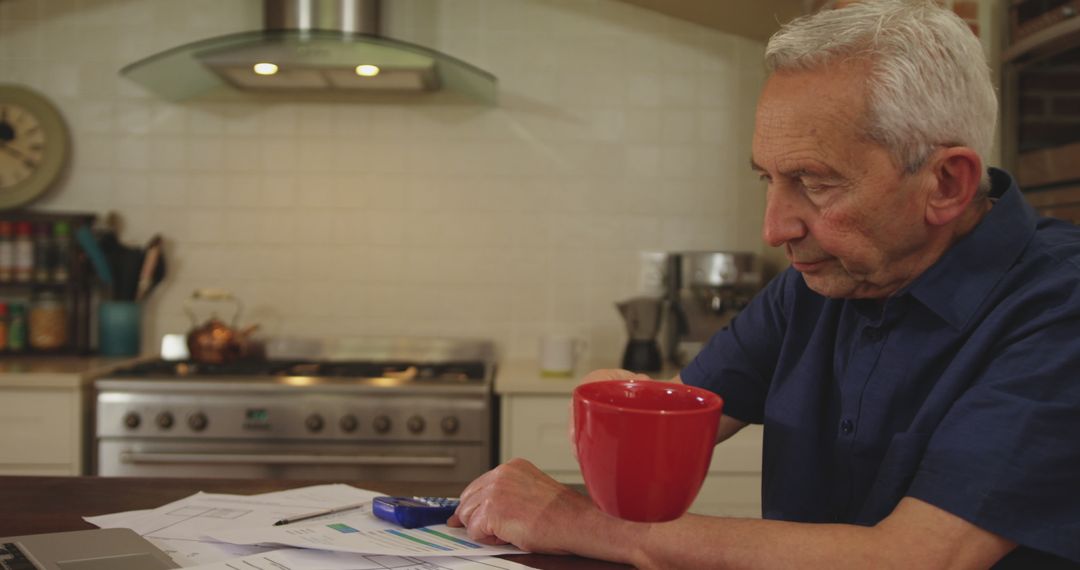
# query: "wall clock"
[[33, 144]]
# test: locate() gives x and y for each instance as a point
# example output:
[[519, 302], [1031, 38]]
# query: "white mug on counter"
[[559, 354]]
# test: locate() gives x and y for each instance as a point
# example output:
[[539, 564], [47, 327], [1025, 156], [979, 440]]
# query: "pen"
[[306, 516]]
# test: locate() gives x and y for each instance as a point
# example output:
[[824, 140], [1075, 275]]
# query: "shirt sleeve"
[[1006, 455], [738, 361]]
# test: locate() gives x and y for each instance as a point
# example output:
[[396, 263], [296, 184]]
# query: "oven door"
[[290, 460]]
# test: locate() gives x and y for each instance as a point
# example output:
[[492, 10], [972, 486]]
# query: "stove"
[[346, 409]]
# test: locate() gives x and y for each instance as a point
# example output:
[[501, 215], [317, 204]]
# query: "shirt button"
[[846, 427], [873, 335]]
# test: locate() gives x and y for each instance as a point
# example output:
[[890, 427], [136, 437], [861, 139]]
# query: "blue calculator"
[[412, 512]]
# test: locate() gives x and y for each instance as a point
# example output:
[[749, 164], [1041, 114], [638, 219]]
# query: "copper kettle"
[[214, 342]]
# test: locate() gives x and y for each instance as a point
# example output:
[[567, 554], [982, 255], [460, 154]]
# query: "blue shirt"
[[962, 390]]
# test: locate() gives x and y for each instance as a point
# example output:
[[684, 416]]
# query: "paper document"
[[301, 559], [177, 528], [195, 516], [209, 531], [362, 533]]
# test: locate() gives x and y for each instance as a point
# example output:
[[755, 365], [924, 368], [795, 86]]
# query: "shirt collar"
[[959, 282]]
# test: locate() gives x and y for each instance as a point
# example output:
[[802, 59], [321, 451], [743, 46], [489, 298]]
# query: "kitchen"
[[617, 130]]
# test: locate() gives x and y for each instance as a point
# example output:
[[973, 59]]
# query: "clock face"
[[22, 142], [33, 145]]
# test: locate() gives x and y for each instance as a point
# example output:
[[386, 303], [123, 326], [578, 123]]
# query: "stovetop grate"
[[442, 371]]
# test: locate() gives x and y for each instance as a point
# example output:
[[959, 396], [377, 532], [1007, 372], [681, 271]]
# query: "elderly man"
[[916, 369]]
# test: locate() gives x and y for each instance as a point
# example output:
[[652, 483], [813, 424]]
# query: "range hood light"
[[265, 68], [367, 70], [314, 46]]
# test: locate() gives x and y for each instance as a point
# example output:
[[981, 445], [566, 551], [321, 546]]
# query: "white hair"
[[929, 83]]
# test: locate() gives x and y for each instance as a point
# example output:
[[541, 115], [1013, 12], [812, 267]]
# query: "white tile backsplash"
[[618, 130]]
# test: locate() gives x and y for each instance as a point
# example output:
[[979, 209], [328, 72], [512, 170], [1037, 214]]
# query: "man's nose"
[[783, 219]]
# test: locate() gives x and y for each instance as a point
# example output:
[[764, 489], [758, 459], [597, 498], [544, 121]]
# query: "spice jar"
[[48, 322], [16, 341]]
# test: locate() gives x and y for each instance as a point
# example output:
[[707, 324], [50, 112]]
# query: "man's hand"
[[517, 503], [612, 374]]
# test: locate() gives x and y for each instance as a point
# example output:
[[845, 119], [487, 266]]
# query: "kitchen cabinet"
[[535, 412], [44, 425]]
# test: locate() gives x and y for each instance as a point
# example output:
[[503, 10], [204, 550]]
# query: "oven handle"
[[259, 458]]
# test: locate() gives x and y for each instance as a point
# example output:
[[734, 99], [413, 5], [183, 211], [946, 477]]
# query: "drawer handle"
[[135, 457]]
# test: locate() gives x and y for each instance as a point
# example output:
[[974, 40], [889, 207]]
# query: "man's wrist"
[[611, 538]]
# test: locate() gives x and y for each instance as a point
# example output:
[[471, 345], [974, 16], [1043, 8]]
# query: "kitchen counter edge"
[[522, 376], [57, 371]]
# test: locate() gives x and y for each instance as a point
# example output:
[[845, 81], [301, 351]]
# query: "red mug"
[[644, 446]]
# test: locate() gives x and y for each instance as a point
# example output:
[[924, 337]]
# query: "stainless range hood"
[[306, 48]]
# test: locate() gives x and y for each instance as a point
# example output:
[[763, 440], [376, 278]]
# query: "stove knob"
[[349, 423], [132, 420], [197, 421], [415, 424], [381, 424], [164, 420], [450, 425], [314, 423]]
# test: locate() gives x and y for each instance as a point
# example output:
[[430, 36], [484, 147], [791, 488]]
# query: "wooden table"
[[30, 505]]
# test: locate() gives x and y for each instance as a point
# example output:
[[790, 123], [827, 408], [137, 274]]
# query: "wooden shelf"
[[1055, 39]]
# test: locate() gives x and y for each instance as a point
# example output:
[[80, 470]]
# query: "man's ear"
[[956, 171]]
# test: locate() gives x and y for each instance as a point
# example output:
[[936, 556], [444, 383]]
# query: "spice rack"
[[55, 297]]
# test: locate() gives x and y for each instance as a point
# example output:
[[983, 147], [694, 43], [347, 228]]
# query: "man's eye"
[[814, 188], [764, 177]]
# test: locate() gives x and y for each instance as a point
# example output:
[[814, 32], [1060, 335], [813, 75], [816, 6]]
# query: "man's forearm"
[[916, 535], [696, 542]]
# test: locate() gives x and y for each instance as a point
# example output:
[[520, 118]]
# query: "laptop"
[[97, 549]]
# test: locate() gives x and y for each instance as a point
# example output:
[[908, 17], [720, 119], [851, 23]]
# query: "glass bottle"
[[17, 328], [62, 252], [3, 326], [43, 252], [48, 322], [24, 253], [7, 252]]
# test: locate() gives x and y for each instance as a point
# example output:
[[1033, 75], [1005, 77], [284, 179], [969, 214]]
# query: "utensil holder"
[[119, 328]]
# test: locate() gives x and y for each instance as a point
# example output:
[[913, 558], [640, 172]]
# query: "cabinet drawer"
[[535, 428], [40, 431]]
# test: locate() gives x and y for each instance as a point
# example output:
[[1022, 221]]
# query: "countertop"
[[56, 371], [523, 376], [30, 505], [518, 376]]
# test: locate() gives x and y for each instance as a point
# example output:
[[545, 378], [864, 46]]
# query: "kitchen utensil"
[[214, 342], [119, 328], [642, 317], [644, 446], [127, 261], [95, 254], [151, 258], [159, 270]]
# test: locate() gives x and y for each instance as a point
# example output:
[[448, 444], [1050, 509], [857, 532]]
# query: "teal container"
[[119, 328]]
